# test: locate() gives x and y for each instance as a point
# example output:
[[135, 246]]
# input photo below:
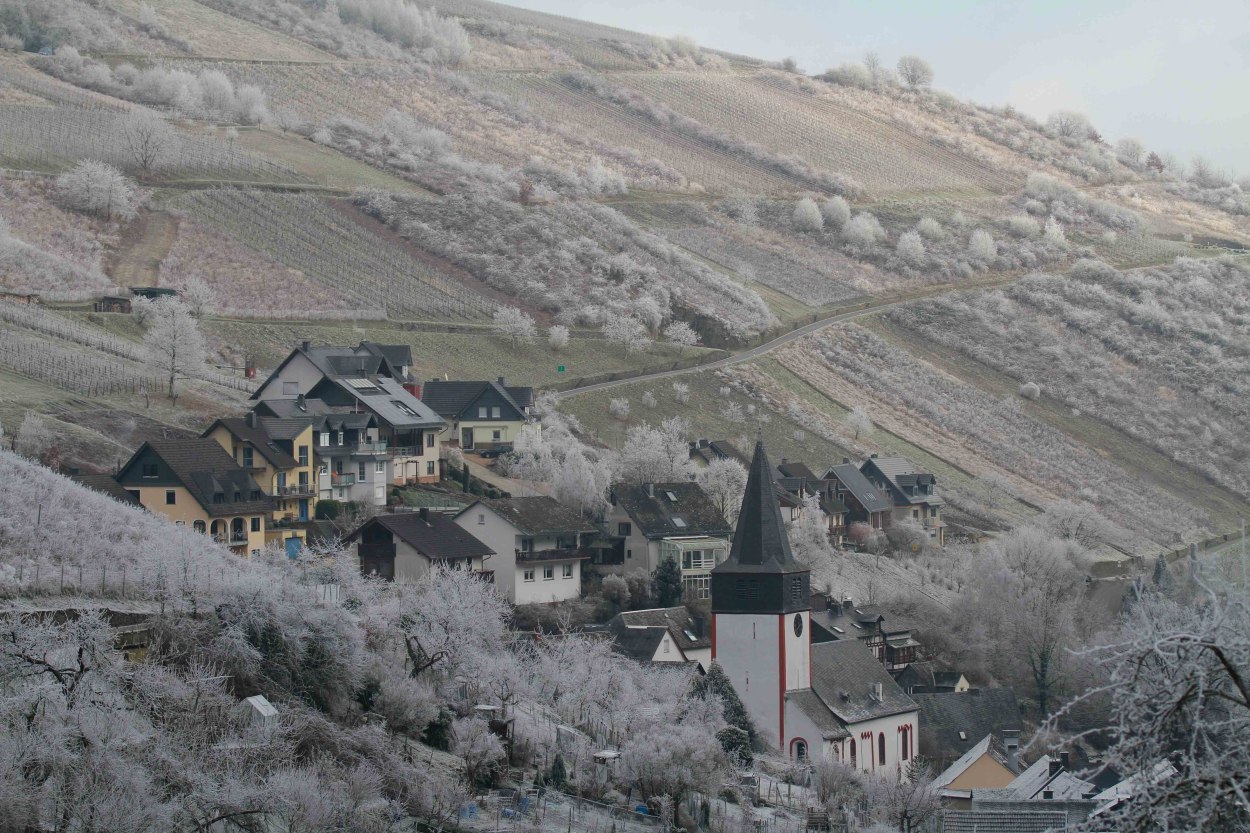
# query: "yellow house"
[[988, 765], [278, 454], [195, 483]]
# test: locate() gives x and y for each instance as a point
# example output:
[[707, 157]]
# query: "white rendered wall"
[[867, 759], [798, 651], [748, 648]]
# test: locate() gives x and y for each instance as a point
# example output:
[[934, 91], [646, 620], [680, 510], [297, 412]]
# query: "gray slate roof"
[[450, 399], [636, 643], [259, 438], [855, 482], [657, 515], [761, 544], [436, 536], [843, 674], [810, 704], [711, 450], [1011, 820], [105, 484], [394, 403], [285, 428], [540, 515], [976, 713], [205, 469], [676, 619], [904, 474]]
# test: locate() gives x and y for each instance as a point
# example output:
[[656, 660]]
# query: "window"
[[481, 412], [323, 438], [881, 748], [404, 408], [549, 572], [150, 470], [254, 494], [905, 737], [481, 518], [527, 545], [171, 497], [249, 456], [800, 751], [199, 527], [852, 752], [528, 575], [698, 560], [255, 524], [629, 553], [496, 436], [915, 513], [429, 467], [238, 532], [338, 439], [567, 570], [303, 455], [379, 466], [134, 493], [290, 388], [362, 469], [624, 530], [697, 586], [666, 645], [429, 440], [494, 412]]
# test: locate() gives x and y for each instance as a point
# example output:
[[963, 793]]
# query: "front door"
[[466, 437], [303, 509]]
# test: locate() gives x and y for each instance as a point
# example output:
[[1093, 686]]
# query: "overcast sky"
[[1174, 74]]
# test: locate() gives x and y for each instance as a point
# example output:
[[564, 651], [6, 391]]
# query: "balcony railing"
[[338, 480], [554, 554], [297, 490], [234, 540], [404, 451], [370, 447]]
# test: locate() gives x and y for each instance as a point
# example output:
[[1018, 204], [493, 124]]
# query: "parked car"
[[496, 451]]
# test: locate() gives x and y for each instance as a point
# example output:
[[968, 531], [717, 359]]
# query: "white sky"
[[1174, 74]]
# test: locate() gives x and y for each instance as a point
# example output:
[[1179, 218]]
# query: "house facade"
[[652, 522], [478, 415], [664, 634], [539, 546], [369, 378], [831, 699], [195, 483], [890, 642], [405, 547], [281, 462], [911, 491], [861, 501]]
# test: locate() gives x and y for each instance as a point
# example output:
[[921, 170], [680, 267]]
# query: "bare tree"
[[859, 422], [626, 331], [876, 70], [914, 71], [1130, 151], [1068, 124], [515, 325], [147, 137], [173, 345], [198, 296], [96, 188], [724, 481]]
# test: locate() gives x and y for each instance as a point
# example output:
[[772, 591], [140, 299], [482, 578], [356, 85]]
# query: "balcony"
[[530, 556], [342, 480], [298, 490], [370, 447], [404, 451], [236, 540]]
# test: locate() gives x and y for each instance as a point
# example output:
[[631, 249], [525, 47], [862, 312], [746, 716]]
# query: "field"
[[211, 34], [325, 245]]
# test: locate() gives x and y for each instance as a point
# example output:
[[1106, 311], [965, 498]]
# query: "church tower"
[[761, 608]]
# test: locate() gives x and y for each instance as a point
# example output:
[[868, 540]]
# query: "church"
[[834, 699]]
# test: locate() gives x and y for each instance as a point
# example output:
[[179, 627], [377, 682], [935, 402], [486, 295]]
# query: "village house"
[[834, 699], [920, 678], [195, 483], [861, 501], [955, 722], [991, 763], [891, 643], [479, 415], [404, 547], [539, 546], [278, 456], [663, 634], [657, 521], [399, 447], [911, 492], [105, 484], [704, 452]]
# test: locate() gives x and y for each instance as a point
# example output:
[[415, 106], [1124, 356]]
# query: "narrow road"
[[143, 247], [782, 340]]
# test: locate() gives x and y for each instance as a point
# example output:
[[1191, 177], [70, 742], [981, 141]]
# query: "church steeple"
[[760, 574]]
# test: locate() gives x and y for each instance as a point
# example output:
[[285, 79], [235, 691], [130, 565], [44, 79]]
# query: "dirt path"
[[143, 246]]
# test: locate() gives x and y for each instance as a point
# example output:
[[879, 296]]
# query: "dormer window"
[[238, 496], [219, 497]]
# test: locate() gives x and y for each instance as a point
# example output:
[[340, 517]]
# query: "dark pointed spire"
[[760, 542]]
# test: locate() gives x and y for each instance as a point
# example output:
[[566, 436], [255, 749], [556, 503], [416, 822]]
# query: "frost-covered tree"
[[807, 215], [96, 188], [147, 137], [859, 421], [863, 230], [836, 211], [911, 248], [679, 332], [915, 72], [906, 803], [581, 483], [173, 345], [34, 436], [681, 392], [514, 325], [558, 337], [981, 246], [479, 748], [930, 229], [656, 454], [1130, 152], [724, 481], [809, 534], [198, 296], [1068, 124], [626, 331]]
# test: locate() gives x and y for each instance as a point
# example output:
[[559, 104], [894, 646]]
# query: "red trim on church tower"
[[781, 683], [713, 637]]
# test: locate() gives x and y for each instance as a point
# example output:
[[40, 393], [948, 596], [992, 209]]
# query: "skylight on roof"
[[672, 497], [680, 523], [363, 385], [403, 407]]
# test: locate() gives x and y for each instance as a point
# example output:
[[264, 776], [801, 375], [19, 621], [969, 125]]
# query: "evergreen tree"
[[716, 682], [666, 584]]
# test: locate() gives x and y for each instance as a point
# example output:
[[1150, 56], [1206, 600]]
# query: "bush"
[[930, 229], [1023, 226], [1031, 391], [836, 211], [911, 248], [807, 216], [864, 230], [619, 408], [328, 510], [981, 246], [97, 188], [558, 337]]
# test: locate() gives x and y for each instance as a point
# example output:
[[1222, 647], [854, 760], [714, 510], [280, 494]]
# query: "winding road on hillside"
[[781, 340]]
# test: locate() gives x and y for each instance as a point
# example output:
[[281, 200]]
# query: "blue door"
[[303, 509], [293, 547]]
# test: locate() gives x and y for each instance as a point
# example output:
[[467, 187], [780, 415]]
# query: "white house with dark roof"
[[479, 415], [863, 502], [539, 546], [912, 492], [355, 380], [406, 546], [664, 634], [833, 699]]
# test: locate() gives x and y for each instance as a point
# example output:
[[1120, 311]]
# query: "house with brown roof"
[[106, 485], [889, 640], [404, 547], [539, 546], [195, 483], [657, 521], [479, 414]]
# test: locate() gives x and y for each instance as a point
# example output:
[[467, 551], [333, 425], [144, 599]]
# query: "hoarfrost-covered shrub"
[[836, 211], [96, 188], [515, 325], [1054, 235], [1022, 226], [863, 230], [981, 246], [681, 392], [619, 407], [930, 229], [1031, 391], [679, 332], [558, 337], [911, 248], [626, 331], [807, 216], [648, 399]]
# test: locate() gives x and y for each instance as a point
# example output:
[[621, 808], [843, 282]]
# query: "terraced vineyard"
[[308, 234], [765, 110], [217, 35]]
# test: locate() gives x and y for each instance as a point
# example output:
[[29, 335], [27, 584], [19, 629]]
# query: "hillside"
[[356, 176]]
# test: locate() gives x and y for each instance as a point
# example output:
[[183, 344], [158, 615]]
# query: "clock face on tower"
[[798, 624]]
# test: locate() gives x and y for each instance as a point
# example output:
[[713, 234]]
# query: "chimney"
[[1054, 767], [1065, 761], [300, 403], [819, 602], [846, 461], [872, 456], [877, 692], [304, 345], [650, 490], [502, 384], [424, 512], [1011, 743], [848, 605]]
